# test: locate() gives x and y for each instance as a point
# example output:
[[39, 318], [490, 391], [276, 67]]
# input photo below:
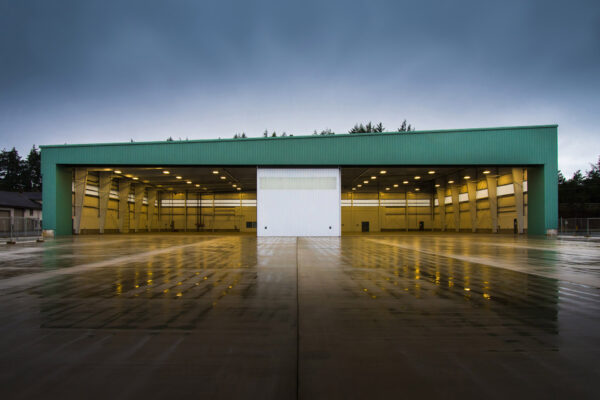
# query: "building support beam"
[[455, 189], [105, 181], [517, 174], [441, 195], [151, 208], [139, 202], [185, 209], [492, 184], [472, 191], [124, 188], [80, 186]]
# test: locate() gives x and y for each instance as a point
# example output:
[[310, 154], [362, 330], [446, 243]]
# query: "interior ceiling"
[[200, 178], [205, 178]]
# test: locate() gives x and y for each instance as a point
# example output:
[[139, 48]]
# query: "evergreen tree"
[[11, 171], [33, 171]]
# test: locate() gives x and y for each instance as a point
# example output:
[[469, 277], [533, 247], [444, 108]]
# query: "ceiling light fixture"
[[135, 178], [239, 188], [188, 182], [437, 185], [395, 185], [223, 177], [387, 188], [405, 182], [417, 177], [487, 171], [358, 185], [450, 181], [365, 182], [166, 172], [197, 185], [215, 171], [431, 172], [117, 171], [467, 177], [383, 172], [353, 188], [178, 177], [417, 189], [373, 177]]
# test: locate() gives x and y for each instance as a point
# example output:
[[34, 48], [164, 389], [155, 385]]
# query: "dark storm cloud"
[[68, 61]]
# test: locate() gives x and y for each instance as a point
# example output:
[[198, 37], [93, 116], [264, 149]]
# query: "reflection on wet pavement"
[[351, 317]]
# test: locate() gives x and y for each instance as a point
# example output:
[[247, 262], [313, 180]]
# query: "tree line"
[[20, 175], [369, 127], [579, 196]]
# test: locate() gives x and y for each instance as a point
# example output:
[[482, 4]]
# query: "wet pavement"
[[235, 316]]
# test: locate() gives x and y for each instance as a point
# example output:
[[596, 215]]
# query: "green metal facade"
[[534, 147]]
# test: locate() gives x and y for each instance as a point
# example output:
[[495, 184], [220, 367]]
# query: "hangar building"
[[475, 180]]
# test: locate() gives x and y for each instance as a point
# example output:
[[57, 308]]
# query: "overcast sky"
[[98, 71]]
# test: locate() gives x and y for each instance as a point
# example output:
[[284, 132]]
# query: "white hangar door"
[[298, 202]]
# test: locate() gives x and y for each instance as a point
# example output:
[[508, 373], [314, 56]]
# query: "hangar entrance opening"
[[434, 198], [299, 201], [128, 199]]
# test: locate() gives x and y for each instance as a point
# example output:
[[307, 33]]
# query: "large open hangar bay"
[[349, 266]]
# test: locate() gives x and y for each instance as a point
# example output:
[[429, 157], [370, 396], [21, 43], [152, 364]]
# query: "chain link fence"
[[15, 228], [580, 226]]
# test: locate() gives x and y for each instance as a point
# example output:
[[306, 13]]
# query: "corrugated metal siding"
[[510, 146]]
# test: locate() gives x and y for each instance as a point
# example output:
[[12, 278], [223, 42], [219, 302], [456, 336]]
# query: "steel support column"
[[124, 188], [472, 191], [492, 183], [80, 186], [456, 206], [441, 195], [517, 174], [151, 208], [105, 181], [139, 202]]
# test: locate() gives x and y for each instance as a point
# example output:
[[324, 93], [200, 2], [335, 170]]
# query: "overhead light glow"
[[467, 177], [166, 172], [387, 188], [239, 188], [197, 185], [234, 185], [450, 181], [395, 185], [188, 182], [223, 177], [383, 172], [146, 181], [216, 171], [417, 189], [365, 182], [405, 182], [359, 185], [431, 172], [353, 188], [373, 177], [417, 177], [135, 178], [178, 177], [487, 171], [117, 171], [437, 185]]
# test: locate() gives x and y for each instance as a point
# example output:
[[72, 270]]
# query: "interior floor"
[[236, 316]]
